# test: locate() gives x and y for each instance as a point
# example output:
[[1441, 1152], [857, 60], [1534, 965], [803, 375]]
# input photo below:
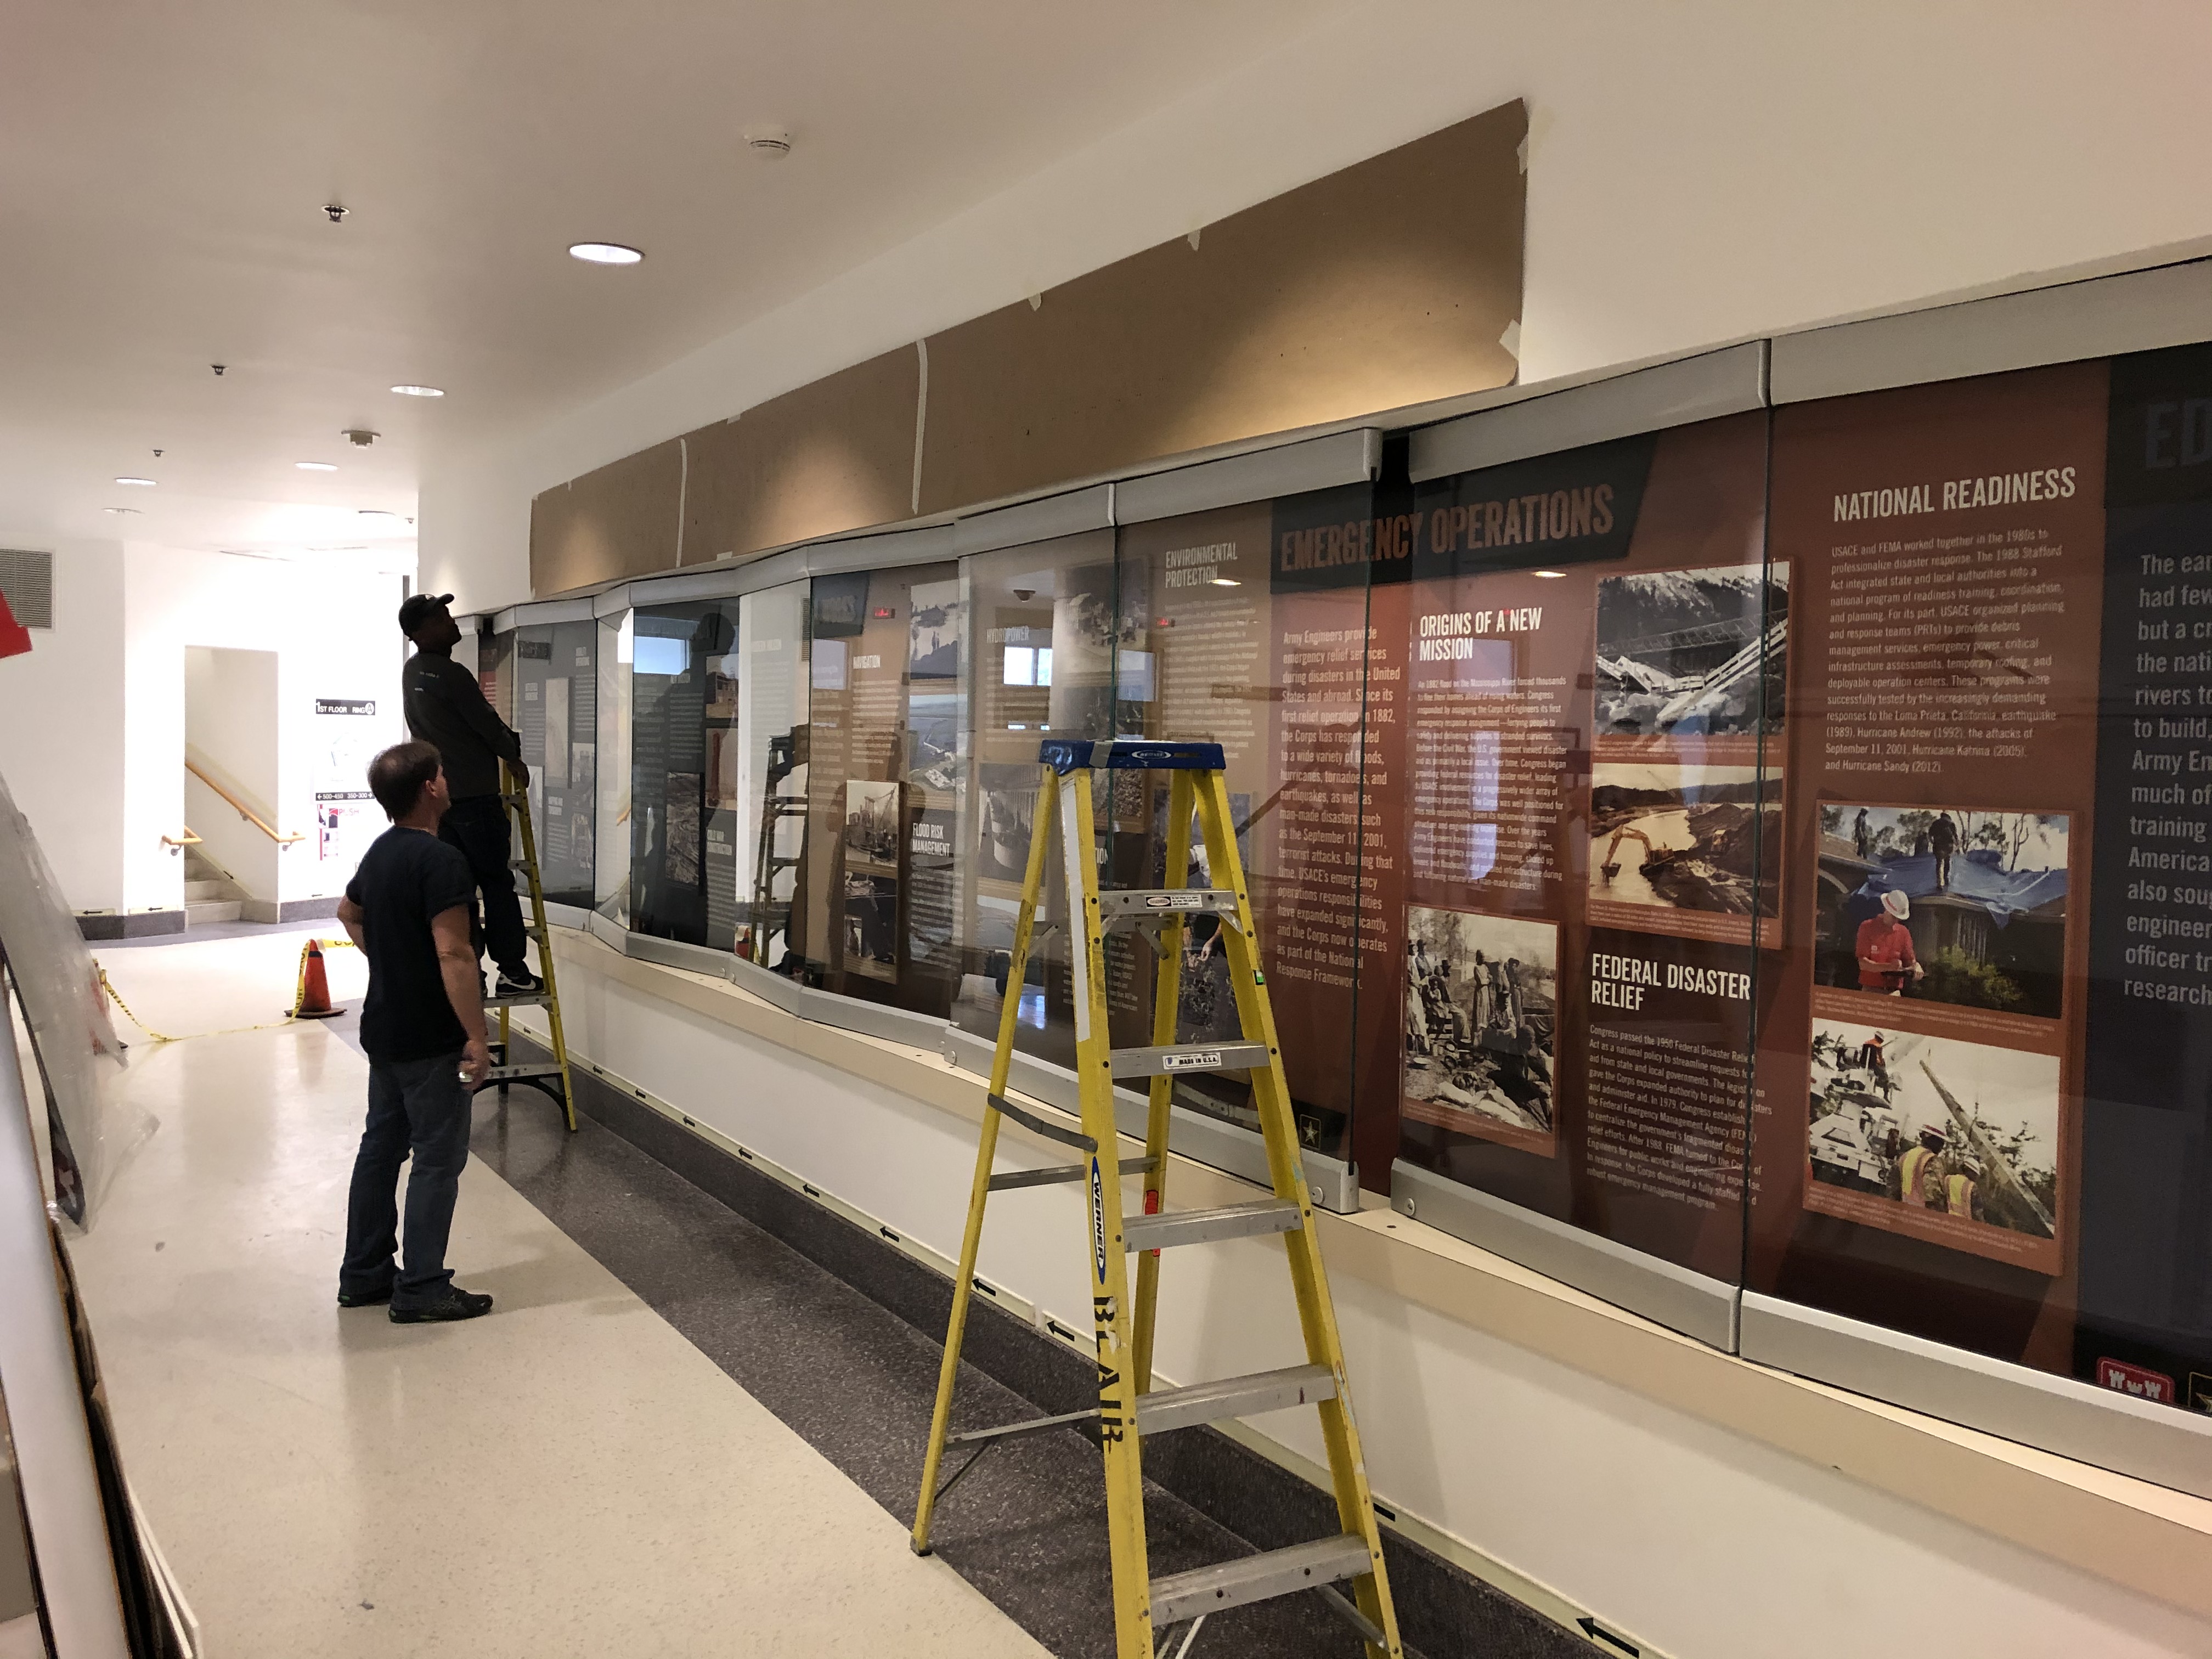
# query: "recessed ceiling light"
[[420, 390], [603, 253], [316, 466], [118, 509], [144, 483], [1552, 575]]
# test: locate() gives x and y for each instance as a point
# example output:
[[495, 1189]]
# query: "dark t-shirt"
[[406, 877], [446, 708]]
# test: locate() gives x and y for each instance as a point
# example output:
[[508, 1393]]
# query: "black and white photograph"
[[1945, 905], [871, 824], [1684, 837], [1936, 1124], [1692, 653], [1481, 995], [1009, 804], [934, 626]]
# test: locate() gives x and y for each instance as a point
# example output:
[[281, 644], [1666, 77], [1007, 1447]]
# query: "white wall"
[[1698, 171], [60, 709], [93, 721], [333, 629]]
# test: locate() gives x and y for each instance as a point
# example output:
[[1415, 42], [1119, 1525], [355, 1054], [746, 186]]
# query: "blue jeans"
[[419, 1106]]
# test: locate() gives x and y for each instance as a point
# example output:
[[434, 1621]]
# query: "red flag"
[[15, 639]]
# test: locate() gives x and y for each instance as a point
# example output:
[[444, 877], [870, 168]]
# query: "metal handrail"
[[244, 810]]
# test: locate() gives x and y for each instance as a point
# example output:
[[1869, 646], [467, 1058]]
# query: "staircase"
[[209, 894]]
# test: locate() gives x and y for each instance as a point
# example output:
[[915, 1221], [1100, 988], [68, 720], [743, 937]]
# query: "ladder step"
[[528, 1000], [1171, 1227], [515, 1073], [1233, 1396], [1184, 1596], [1035, 1425], [1057, 1173], [1121, 904], [1174, 1058]]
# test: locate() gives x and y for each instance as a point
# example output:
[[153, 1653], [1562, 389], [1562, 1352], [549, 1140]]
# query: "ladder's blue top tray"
[[1065, 755]]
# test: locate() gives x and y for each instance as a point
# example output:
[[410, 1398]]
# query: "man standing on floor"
[[409, 907], [446, 708]]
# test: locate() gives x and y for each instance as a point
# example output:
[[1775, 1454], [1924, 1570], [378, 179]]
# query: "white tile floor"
[[567, 1476]]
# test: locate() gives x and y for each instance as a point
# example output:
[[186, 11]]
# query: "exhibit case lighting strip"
[[1723, 828]]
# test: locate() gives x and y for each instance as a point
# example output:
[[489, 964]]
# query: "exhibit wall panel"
[[1584, 639], [1989, 1003]]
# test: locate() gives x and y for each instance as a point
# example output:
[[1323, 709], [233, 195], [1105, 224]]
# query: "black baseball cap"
[[417, 609]]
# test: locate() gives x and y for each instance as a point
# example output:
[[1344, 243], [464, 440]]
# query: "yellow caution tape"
[[299, 995]]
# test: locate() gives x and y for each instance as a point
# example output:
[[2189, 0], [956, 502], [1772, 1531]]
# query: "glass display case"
[[610, 875], [684, 844], [773, 703], [1043, 620], [1220, 641], [1746, 855], [885, 785], [553, 708]]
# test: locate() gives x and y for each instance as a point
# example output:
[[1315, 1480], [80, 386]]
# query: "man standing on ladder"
[[446, 708]]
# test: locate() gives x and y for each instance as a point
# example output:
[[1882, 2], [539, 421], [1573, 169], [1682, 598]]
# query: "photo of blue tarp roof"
[[1977, 877]]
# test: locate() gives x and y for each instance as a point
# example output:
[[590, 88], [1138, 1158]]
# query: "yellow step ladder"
[[1129, 1406], [549, 1076]]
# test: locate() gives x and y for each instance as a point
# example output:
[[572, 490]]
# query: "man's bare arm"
[[350, 917], [457, 966]]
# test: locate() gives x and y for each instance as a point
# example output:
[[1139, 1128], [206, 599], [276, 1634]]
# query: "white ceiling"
[[163, 169]]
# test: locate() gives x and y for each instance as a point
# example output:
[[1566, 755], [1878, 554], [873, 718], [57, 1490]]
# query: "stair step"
[[199, 912], [1172, 1227], [1233, 1396], [1139, 904], [201, 888], [1182, 1595], [1173, 1059]]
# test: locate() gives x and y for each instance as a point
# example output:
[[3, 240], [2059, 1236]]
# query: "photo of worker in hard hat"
[[1936, 1126], [1945, 905]]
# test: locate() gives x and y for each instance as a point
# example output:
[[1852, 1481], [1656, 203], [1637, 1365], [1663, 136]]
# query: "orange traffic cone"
[[313, 1001]]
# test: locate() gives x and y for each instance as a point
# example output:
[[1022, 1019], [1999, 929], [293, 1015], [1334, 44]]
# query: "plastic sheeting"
[[74, 1043]]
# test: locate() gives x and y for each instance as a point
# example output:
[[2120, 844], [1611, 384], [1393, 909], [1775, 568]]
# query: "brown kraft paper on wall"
[[1387, 283], [832, 456], [617, 521]]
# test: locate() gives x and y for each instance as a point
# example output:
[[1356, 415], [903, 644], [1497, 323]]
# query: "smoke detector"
[[767, 143], [360, 437]]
